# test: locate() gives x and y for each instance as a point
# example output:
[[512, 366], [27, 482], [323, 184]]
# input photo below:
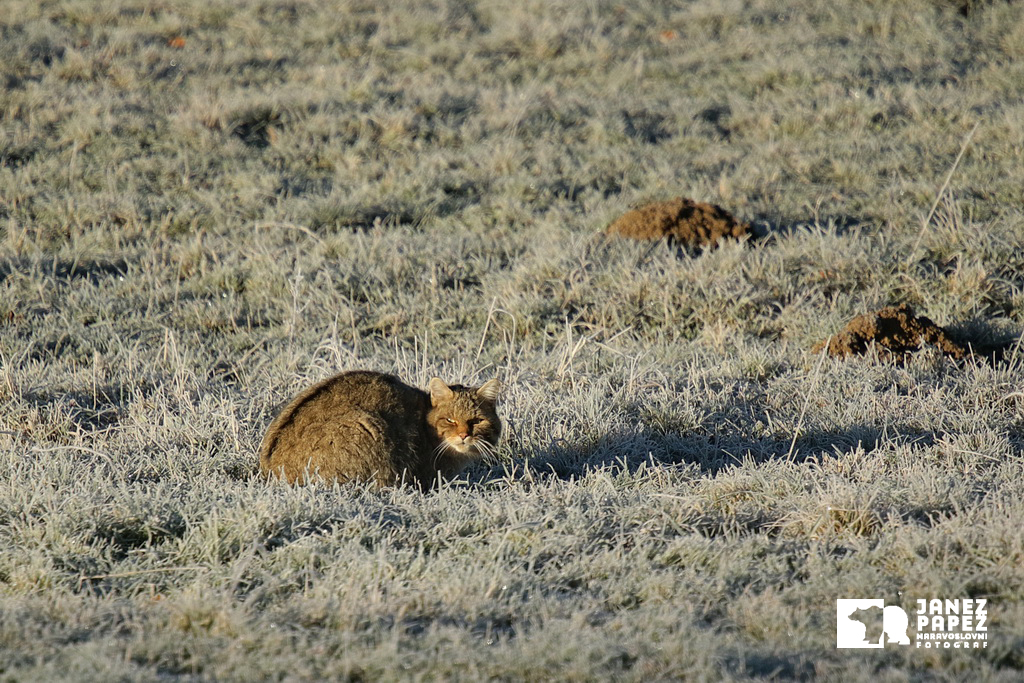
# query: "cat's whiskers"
[[487, 450], [438, 452]]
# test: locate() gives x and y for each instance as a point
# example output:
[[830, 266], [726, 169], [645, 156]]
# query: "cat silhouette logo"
[[869, 623]]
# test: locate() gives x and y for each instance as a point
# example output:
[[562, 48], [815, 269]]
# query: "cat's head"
[[465, 418]]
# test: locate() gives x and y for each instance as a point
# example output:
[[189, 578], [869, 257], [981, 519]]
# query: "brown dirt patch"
[[895, 332], [686, 223]]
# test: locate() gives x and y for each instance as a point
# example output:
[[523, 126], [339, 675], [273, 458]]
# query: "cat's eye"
[[474, 421], [449, 421]]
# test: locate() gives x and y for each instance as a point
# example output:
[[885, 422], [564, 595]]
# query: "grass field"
[[206, 206]]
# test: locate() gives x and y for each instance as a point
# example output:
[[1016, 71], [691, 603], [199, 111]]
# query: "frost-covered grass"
[[191, 232]]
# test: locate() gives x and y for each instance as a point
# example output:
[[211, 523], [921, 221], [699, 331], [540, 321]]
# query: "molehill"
[[686, 223], [896, 331]]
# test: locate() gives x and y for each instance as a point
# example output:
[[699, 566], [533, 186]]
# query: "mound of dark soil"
[[896, 331], [686, 223]]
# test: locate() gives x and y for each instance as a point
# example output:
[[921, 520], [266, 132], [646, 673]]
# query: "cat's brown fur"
[[363, 426]]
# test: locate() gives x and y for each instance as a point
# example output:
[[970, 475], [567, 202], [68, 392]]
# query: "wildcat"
[[369, 426]]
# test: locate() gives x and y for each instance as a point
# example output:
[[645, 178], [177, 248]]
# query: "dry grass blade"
[[938, 195]]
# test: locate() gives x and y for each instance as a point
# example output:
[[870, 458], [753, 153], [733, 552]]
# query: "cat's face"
[[465, 418]]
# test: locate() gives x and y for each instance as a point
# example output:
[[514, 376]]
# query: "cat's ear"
[[439, 391], [490, 390]]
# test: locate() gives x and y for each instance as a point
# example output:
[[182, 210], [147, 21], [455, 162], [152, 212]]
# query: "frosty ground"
[[206, 206]]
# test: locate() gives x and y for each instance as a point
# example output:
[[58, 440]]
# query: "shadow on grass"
[[64, 269], [770, 666], [93, 411], [711, 453], [983, 341], [766, 229], [333, 215]]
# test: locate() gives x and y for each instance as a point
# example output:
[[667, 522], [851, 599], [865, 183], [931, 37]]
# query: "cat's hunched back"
[[369, 426]]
